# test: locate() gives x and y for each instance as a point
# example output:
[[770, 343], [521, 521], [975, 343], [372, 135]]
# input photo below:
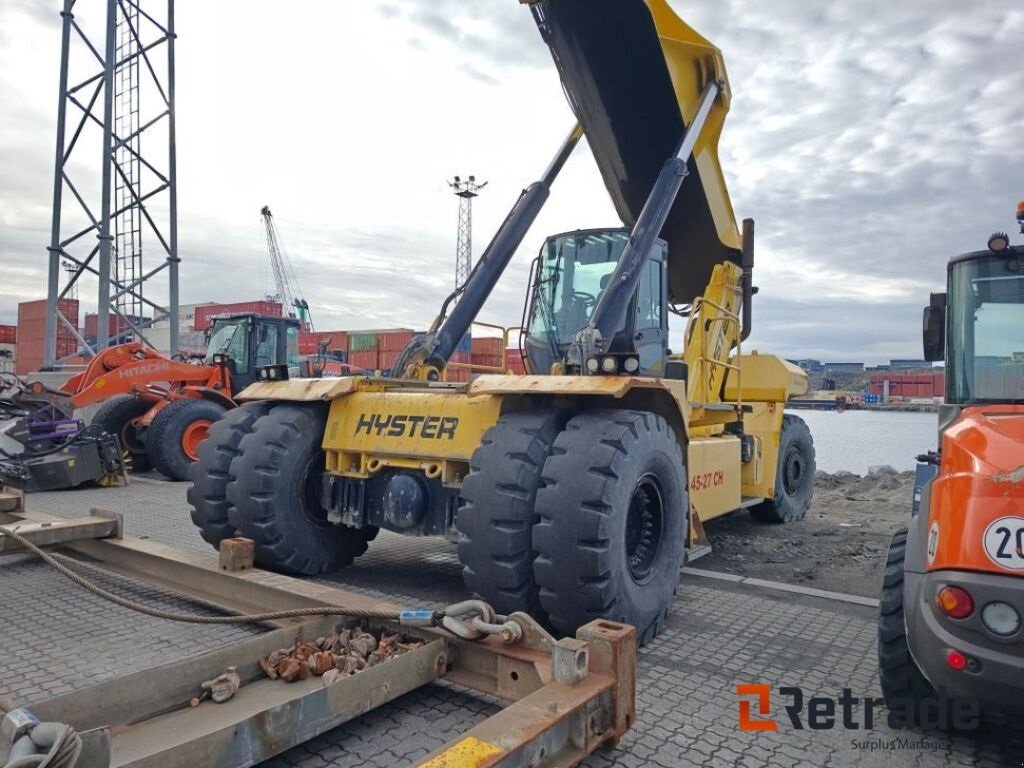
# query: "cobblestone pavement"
[[54, 637]]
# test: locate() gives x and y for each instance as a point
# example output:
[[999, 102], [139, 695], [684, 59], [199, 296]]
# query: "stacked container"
[[204, 315], [31, 333], [362, 350], [309, 341], [488, 352], [514, 362], [904, 386]]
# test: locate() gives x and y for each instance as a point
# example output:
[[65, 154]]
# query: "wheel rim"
[[310, 491], [194, 434], [645, 526], [793, 470], [130, 438]]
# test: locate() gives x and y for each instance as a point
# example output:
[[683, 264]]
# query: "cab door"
[[650, 330]]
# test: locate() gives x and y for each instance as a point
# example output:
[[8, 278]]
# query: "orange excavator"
[[161, 408], [953, 597]]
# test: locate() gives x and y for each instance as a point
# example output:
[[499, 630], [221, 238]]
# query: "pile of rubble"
[[335, 656]]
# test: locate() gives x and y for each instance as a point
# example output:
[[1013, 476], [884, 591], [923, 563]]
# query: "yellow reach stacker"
[[574, 492]]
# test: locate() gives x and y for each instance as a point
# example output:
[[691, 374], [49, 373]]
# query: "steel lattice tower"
[[465, 190], [117, 56]]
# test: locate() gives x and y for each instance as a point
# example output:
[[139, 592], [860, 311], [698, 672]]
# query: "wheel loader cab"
[[954, 586], [570, 275], [251, 342]]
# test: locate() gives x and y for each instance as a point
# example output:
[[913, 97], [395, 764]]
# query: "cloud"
[[870, 140]]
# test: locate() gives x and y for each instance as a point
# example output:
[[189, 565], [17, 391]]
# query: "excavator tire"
[[211, 473], [496, 515], [114, 417], [613, 522], [274, 495], [177, 431], [794, 477], [898, 673]]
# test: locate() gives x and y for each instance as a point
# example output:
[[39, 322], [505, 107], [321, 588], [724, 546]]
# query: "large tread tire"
[[166, 434], [113, 417], [794, 475], [212, 472], [496, 514], [594, 474], [898, 673], [274, 495]]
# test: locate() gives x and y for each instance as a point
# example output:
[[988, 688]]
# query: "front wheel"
[[898, 673], [115, 417], [176, 433], [794, 475], [612, 528], [274, 495]]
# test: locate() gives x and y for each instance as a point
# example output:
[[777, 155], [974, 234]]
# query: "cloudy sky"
[[870, 140]]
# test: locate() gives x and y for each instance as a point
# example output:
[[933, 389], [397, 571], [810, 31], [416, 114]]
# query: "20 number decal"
[[1004, 542]]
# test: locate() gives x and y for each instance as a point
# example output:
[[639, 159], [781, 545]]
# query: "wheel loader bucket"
[[634, 73]]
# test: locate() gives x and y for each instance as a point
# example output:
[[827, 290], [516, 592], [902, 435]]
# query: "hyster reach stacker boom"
[[575, 491]]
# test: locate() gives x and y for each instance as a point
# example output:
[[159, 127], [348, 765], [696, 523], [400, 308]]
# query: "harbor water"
[[856, 440]]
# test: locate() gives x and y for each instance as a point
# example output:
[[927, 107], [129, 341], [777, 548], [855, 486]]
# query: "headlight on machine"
[[593, 365], [1000, 618], [609, 365], [631, 365]]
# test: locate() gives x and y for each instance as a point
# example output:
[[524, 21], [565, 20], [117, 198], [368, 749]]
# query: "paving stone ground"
[[55, 637]]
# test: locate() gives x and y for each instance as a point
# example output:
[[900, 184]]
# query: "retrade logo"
[[822, 713]]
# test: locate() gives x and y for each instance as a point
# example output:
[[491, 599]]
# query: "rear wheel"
[[274, 495], [114, 417], [496, 514], [898, 673], [794, 475], [176, 433], [613, 514], [211, 472]]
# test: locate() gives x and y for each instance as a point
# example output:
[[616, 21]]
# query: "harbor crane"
[[285, 282]]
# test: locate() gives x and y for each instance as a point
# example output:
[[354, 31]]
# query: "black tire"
[[167, 434], [898, 673], [794, 475], [611, 537], [114, 418], [212, 472], [274, 495], [496, 515]]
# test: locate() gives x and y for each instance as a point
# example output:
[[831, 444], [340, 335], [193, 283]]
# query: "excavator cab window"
[[294, 359], [230, 337], [985, 331]]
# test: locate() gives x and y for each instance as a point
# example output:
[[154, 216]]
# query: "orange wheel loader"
[[952, 601], [161, 408]]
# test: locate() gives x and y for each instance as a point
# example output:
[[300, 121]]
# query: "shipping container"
[[204, 315], [386, 359], [514, 361], [309, 341], [394, 341], [360, 341], [8, 334], [487, 345], [488, 361], [366, 359]]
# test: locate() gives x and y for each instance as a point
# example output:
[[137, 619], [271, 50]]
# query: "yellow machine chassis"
[[374, 425]]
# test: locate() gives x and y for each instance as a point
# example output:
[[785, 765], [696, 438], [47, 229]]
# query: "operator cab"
[[251, 342], [570, 275], [977, 326]]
